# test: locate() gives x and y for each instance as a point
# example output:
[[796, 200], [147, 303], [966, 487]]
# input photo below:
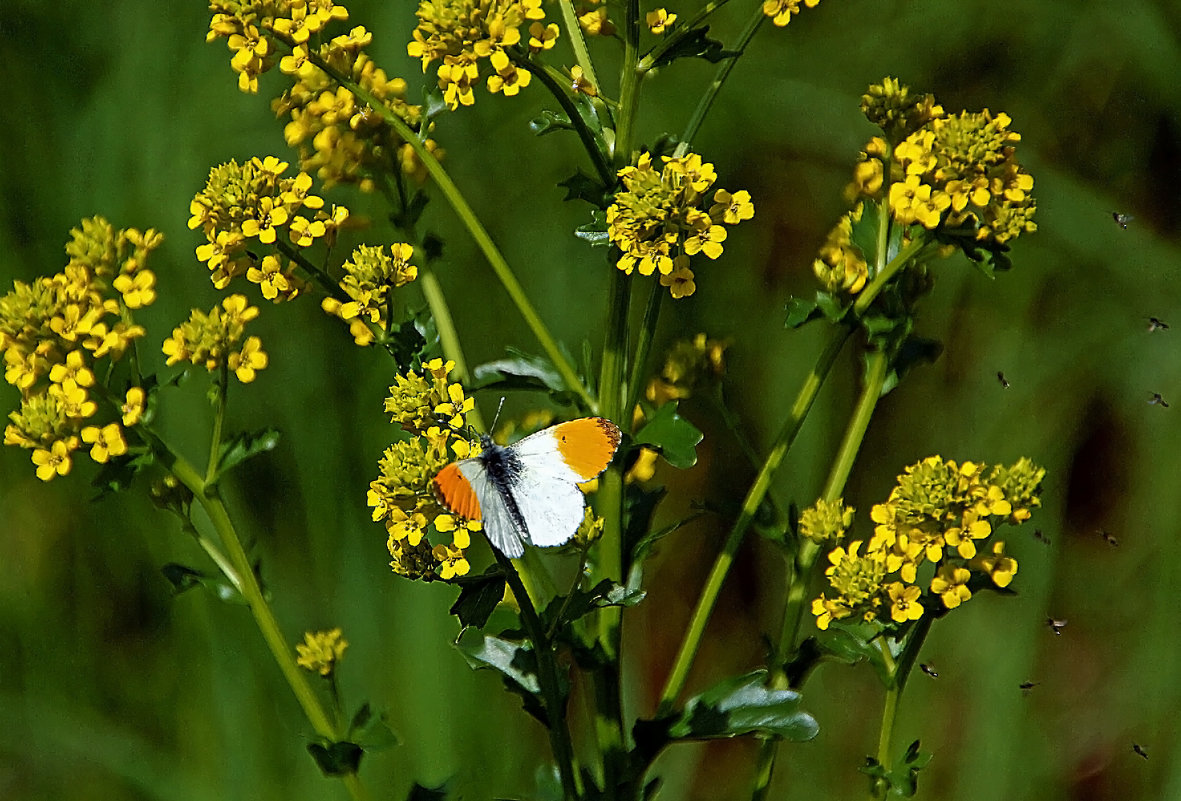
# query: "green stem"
[[889, 714], [590, 142], [715, 86], [644, 345], [248, 584], [754, 497], [448, 336], [629, 85], [797, 594], [871, 291], [468, 217], [547, 679], [578, 41], [219, 413]]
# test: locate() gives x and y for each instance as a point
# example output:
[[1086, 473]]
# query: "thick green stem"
[[644, 345], [477, 230], [754, 497], [889, 713], [547, 679]]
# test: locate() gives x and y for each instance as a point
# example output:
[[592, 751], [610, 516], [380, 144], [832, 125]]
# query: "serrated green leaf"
[[239, 448], [832, 308], [515, 661], [336, 758], [845, 646], [694, 44], [118, 473], [744, 705], [519, 370], [407, 343], [674, 437], [478, 597], [582, 602]]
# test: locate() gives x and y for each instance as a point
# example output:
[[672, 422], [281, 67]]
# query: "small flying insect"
[[1139, 749], [1157, 400], [1056, 625], [1004, 381], [1108, 537], [1122, 220], [1038, 535], [1157, 324], [1026, 686], [928, 669]]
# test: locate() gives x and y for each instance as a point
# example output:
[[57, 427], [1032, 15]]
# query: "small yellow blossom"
[[659, 21], [133, 408], [904, 602], [321, 650], [781, 11], [950, 584], [53, 461], [106, 442], [138, 289]]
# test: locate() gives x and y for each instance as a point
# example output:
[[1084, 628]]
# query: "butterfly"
[[528, 492]]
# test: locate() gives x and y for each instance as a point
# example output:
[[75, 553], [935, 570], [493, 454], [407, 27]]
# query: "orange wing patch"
[[587, 444], [456, 492]]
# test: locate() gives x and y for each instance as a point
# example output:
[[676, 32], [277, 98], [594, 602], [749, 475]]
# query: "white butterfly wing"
[[498, 523], [551, 506]]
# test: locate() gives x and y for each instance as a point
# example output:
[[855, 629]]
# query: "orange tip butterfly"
[[528, 491]]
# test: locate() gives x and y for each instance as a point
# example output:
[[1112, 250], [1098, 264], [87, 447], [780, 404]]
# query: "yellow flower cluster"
[[658, 218], [956, 172], [826, 521], [781, 11], [937, 513], [841, 266], [246, 205], [460, 33], [54, 331], [340, 139], [321, 650], [370, 274], [209, 340], [433, 410]]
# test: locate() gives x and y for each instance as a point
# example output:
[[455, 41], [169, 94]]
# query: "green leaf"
[[238, 449], [519, 370], [903, 780], [694, 44], [407, 342], [515, 661], [372, 732], [744, 705], [582, 602], [864, 232], [478, 597], [800, 311], [549, 121], [336, 758], [672, 435], [581, 186], [184, 578], [845, 646], [595, 231]]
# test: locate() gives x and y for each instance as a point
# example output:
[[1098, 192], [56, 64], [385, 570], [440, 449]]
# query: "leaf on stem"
[[736, 706], [183, 579], [595, 231], [549, 121], [694, 44], [583, 602], [516, 663], [902, 780], [478, 597], [519, 370], [673, 436], [372, 732], [336, 758], [238, 449], [118, 473], [581, 186]]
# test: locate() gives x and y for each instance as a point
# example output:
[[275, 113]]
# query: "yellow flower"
[[452, 561], [580, 83], [950, 584], [73, 371], [904, 602], [106, 441], [659, 21], [321, 650], [1000, 568], [508, 79], [133, 409], [826, 521], [781, 11], [138, 289], [247, 362], [53, 461], [542, 37]]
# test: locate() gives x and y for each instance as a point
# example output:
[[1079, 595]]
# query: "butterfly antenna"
[[499, 406]]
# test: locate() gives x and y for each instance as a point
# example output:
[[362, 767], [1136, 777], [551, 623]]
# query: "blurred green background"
[[112, 689]]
